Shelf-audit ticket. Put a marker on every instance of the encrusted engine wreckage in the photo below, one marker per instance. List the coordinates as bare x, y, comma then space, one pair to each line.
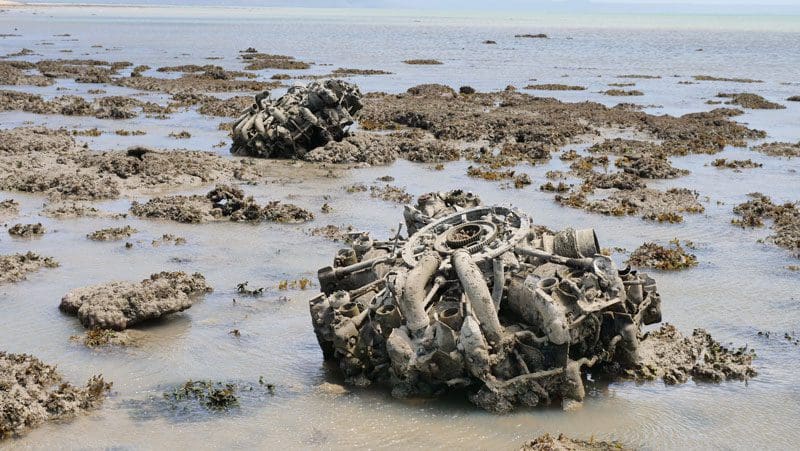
476, 299
304, 118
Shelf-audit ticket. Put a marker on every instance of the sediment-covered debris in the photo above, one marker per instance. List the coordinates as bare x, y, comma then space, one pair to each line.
304, 118
730, 79
9, 208
555, 87
785, 220
547, 442
27, 230
482, 300
648, 166
735, 164
41, 160
224, 202
622, 92
112, 233
437, 205
17, 73
33, 392
649, 203
667, 354
750, 100
16, 267
536, 126
121, 304
116, 107
652, 255
380, 149
779, 149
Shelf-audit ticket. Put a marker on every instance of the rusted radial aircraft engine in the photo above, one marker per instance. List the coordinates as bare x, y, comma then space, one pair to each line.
478, 300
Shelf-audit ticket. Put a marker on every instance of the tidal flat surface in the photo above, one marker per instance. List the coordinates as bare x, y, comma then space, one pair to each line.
740, 288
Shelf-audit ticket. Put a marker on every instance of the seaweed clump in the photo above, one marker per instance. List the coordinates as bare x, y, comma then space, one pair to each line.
215, 396
652, 255
33, 392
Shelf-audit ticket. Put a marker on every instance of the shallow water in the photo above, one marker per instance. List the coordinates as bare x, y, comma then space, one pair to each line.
741, 286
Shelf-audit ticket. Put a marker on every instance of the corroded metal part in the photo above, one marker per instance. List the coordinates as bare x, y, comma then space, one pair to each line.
477, 299
304, 118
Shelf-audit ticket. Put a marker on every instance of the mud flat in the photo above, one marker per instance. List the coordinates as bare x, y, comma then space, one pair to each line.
33, 392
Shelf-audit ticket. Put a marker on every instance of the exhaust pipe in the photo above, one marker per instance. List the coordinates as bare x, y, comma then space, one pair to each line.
480, 298
412, 303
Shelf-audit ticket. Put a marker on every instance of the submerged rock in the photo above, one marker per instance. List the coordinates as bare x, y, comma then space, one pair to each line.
119, 305
32, 392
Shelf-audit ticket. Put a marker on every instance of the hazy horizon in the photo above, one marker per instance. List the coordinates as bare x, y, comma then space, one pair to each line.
721, 7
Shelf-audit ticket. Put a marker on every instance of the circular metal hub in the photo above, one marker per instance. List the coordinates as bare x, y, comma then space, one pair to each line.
485, 232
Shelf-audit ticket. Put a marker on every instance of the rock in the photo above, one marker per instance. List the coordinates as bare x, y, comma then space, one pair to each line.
32, 392
119, 305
